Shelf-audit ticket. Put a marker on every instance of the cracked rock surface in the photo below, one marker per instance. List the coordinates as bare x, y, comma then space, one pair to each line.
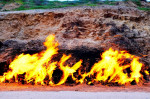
83, 28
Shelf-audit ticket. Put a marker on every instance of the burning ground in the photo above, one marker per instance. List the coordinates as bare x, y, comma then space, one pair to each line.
116, 67
102, 45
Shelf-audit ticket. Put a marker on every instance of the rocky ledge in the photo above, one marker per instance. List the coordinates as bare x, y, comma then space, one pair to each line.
77, 28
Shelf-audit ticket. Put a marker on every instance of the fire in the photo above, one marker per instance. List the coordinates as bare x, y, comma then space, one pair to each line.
111, 67
34, 66
114, 67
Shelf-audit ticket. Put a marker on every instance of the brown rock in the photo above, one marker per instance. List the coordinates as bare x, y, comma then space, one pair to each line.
82, 28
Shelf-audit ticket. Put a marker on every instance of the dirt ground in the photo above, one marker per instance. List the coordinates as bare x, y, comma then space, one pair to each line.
81, 88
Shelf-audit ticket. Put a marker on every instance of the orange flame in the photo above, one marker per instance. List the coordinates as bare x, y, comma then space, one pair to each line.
39, 66
111, 67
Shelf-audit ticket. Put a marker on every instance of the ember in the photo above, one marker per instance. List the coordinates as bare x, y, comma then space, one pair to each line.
114, 67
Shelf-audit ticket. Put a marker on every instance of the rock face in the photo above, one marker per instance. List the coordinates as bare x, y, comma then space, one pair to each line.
85, 28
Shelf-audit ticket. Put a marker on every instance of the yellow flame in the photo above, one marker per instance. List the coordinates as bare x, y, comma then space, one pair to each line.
39, 66
146, 72
110, 68
34, 66
67, 71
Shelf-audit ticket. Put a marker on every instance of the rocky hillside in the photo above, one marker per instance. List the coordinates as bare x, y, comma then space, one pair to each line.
83, 28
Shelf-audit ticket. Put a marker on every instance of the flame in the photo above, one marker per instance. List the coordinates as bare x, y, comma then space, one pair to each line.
111, 68
34, 66
114, 67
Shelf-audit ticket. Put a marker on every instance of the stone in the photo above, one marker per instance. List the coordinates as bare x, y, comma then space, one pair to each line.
85, 28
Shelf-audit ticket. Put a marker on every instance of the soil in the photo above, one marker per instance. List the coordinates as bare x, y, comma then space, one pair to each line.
81, 87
